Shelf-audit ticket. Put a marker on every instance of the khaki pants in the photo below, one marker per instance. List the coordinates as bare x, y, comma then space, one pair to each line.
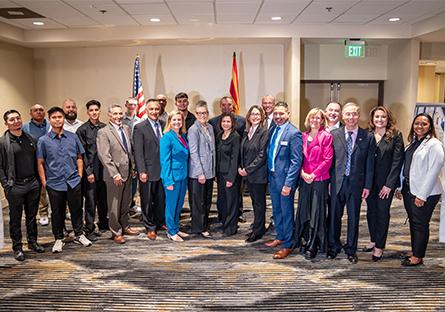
43, 203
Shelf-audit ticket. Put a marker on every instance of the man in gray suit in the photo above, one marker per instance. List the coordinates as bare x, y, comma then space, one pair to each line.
201, 169
146, 137
115, 152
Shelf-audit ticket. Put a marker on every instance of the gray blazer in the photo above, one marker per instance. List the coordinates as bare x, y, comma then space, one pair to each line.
202, 151
112, 154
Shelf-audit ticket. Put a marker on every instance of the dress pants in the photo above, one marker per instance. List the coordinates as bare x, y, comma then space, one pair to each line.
201, 202
283, 212
378, 216
119, 200
228, 205
43, 203
419, 220
134, 188
257, 193
352, 200
95, 195
23, 196
58, 201
152, 204
174, 200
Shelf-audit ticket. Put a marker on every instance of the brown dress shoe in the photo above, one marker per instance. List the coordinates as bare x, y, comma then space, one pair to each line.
273, 243
119, 239
151, 235
131, 232
282, 253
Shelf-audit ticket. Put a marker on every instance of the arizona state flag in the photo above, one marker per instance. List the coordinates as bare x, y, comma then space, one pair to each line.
234, 90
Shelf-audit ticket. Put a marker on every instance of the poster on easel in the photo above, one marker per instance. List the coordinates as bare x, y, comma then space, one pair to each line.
437, 112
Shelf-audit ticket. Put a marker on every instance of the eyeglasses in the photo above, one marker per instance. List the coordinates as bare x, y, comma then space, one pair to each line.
255, 114
202, 113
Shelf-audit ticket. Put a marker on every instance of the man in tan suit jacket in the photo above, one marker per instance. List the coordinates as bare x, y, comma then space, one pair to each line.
115, 152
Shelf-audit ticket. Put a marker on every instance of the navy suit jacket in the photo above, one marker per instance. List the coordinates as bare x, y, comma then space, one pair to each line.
362, 161
174, 159
288, 157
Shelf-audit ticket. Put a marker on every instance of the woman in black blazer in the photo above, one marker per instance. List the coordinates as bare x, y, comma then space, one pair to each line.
389, 157
253, 165
227, 154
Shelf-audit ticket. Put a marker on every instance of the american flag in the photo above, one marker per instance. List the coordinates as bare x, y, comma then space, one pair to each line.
138, 91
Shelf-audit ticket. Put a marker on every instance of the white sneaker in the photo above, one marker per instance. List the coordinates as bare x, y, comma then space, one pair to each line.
68, 216
44, 220
82, 240
58, 246
183, 234
175, 238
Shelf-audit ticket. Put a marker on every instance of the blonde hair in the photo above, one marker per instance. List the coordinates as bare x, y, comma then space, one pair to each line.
170, 117
352, 104
314, 112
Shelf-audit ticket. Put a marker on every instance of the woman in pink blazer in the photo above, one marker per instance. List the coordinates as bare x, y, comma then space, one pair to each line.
310, 222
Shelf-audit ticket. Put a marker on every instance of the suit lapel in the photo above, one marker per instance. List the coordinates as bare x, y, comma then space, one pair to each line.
341, 136
151, 131
360, 137
117, 135
283, 136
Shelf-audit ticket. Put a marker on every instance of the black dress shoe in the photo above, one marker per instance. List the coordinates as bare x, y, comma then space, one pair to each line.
353, 258
249, 234
36, 247
310, 254
253, 238
375, 258
19, 255
331, 255
407, 262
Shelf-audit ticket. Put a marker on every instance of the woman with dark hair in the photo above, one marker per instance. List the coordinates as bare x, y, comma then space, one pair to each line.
388, 163
310, 221
227, 153
253, 166
421, 186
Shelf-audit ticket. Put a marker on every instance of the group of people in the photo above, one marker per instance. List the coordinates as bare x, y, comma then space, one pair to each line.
333, 164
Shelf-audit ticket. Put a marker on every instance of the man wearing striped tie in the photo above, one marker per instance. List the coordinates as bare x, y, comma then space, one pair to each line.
351, 180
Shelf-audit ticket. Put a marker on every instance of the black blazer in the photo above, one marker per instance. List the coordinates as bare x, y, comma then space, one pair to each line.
362, 162
254, 155
389, 157
146, 150
227, 156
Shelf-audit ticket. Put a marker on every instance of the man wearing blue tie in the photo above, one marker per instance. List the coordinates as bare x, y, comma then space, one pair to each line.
284, 159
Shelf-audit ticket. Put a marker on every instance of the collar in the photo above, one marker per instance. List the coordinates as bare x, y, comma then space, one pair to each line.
40, 125
355, 131
53, 135
99, 123
152, 122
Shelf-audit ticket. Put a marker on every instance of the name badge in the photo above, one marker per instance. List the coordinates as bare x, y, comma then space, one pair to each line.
284, 143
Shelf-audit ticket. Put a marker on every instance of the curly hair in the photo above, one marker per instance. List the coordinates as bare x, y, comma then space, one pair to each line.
391, 129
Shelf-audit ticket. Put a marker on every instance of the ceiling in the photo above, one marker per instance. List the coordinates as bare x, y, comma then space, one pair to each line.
72, 14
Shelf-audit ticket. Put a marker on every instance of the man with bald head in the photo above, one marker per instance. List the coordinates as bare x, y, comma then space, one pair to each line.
268, 104
71, 124
162, 99
38, 126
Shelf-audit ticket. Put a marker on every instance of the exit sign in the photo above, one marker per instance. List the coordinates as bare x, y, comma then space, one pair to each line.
354, 48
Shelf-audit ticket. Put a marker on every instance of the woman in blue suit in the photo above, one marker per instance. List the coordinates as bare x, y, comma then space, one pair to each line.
174, 152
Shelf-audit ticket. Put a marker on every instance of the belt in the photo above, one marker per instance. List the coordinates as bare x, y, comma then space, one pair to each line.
25, 180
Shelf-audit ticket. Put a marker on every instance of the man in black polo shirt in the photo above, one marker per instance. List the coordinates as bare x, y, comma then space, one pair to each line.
18, 176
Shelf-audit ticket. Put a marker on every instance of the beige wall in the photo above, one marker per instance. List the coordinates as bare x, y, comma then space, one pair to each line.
16, 79
426, 91
202, 71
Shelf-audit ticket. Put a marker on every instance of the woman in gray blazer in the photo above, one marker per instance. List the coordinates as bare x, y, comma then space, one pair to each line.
201, 170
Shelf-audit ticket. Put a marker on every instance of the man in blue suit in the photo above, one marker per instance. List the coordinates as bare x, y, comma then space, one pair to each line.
284, 159
351, 180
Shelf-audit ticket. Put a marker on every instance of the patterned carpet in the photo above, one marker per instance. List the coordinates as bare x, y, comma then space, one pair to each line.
221, 274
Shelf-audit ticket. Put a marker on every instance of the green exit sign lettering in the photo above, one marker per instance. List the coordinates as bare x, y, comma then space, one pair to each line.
354, 49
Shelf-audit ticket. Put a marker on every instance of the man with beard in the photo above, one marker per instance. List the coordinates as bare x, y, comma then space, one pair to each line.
333, 112
93, 186
37, 127
71, 122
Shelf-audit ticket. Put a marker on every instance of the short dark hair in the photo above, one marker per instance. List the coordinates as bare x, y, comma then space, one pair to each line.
181, 95
232, 118
282, 104
55, 109
9, 112
92, 102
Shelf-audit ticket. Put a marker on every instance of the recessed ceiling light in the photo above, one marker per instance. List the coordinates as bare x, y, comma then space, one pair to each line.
38, 23
276, 18
155, 20
394, 19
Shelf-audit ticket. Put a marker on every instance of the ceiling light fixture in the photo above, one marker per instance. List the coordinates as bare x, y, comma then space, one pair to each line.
276, 18
155, 20
38, 23
394, 19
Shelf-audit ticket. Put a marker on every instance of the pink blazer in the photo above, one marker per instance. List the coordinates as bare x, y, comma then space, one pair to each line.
318, 155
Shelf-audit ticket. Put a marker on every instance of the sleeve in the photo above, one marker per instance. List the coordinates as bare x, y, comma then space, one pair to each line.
393, 178
87, 157
41, 152
434, 166
80, 149
370, 163
166, 161
138, 146
195, 160
234, 157
3, 167
296, 159
328, 154
260, 159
